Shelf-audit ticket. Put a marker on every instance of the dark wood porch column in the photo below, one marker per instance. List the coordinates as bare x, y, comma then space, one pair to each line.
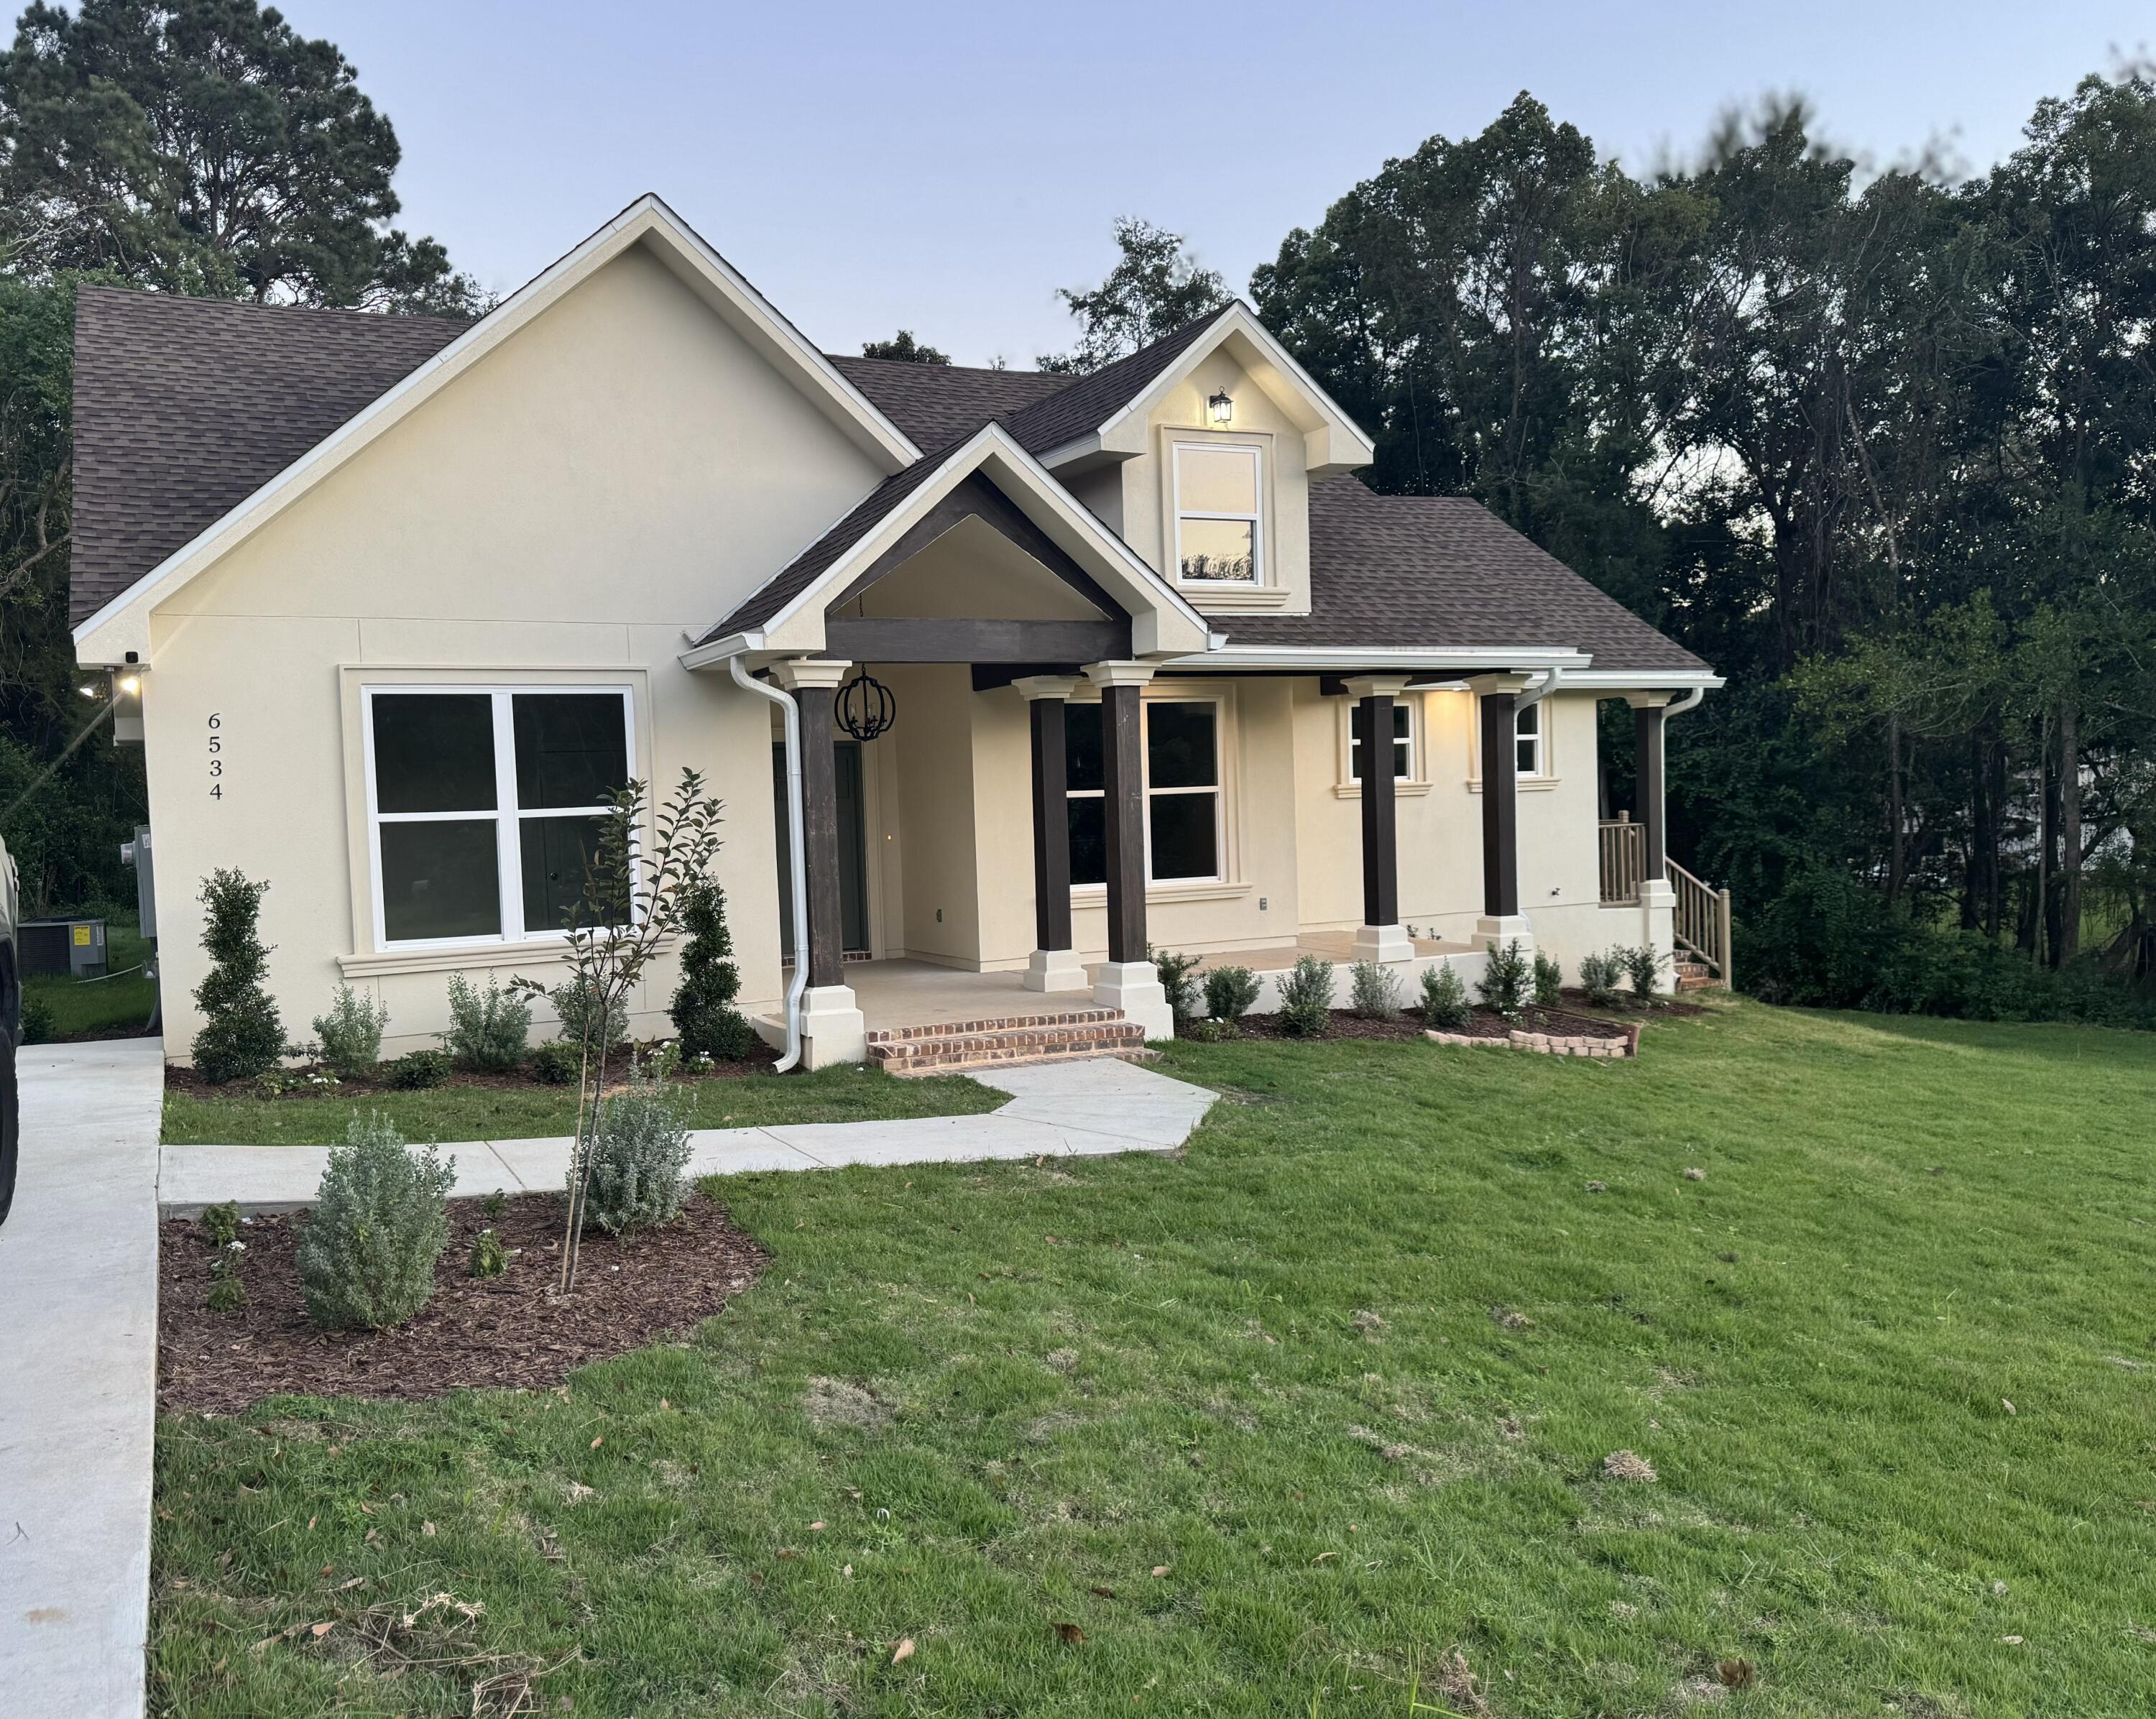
1046, 697
813, 685
1374, 696
1647, 720
1501, 804
1123, 773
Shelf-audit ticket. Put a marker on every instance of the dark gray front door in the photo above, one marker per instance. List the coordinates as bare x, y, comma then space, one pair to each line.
853, 847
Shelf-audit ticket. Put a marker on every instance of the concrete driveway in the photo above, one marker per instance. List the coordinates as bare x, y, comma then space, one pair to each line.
78, 1380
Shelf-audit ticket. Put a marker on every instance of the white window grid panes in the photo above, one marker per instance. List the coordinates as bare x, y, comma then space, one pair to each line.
1253, 516
1406, 739
1527, 730
1212, 789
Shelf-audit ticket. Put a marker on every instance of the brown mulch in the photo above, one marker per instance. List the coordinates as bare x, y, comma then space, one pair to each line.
1624, 1005
509, 1330
181, 1079
1483, 1023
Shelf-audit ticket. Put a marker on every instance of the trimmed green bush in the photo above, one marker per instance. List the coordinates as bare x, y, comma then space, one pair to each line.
1549, 981
1229, 992
489, 1258
1306, 1007
1600, 976
638, 1151
1643, 967
703, 1009
416, 1070
351, 1033
1374, 991
487, 1028
1444, 999
242, 1033
1503, 986
1178, 980
380, 1222
558, 1061
577, 1003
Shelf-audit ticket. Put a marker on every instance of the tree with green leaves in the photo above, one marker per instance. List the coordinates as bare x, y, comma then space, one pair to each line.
903, 349
1155, 288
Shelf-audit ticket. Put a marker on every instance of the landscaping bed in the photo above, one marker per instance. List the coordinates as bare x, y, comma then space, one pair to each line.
1481, 1023
302, 1082
510, 1330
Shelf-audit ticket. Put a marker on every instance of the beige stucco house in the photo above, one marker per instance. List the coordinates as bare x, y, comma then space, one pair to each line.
404, 597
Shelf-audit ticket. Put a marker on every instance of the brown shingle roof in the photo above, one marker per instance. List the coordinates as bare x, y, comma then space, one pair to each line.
1439, 571
938, 403
1090, 401
183, 408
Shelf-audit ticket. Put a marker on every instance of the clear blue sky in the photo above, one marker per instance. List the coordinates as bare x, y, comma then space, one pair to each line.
944, 166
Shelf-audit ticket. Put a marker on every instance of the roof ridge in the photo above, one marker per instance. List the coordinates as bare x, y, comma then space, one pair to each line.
192, 301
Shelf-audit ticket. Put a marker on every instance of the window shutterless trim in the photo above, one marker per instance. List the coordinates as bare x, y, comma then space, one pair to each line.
507, 816
1255, 519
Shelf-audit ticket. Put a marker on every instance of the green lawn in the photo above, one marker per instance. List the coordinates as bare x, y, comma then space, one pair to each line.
93, 1008
845, 1093
1279, 1423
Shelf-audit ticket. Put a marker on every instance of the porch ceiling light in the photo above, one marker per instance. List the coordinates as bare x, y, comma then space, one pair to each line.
864, 707
1221, 407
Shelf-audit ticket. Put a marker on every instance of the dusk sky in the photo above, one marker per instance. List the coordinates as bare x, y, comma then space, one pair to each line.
945, 166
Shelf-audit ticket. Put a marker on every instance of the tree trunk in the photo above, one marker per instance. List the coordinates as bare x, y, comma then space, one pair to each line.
2047, 852
1975, 886
1897, 849
2069, 941
1994, 907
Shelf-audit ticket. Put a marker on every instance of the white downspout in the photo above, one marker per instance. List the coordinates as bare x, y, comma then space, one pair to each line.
1551, 676
1684, 704
796, 853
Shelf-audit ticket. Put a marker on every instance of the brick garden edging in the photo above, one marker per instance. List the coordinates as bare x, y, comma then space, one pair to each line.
1551, 1044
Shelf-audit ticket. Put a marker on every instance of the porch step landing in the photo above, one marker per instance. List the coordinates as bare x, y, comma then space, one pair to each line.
1693, 975
951, 1047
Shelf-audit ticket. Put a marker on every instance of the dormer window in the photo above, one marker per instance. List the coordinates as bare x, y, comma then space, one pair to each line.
1218, 535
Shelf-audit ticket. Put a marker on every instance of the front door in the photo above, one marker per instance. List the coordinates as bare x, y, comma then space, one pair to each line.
853, 848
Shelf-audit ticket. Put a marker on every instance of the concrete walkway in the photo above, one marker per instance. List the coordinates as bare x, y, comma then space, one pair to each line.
78, 1380
1057, 1110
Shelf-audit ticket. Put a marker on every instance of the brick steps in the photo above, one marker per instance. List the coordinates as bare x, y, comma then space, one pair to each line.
951, 1047
1693, 975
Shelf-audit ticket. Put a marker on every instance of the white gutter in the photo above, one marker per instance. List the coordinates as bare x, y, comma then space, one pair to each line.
796, 853
1684, 704
1314, 659
1549, 685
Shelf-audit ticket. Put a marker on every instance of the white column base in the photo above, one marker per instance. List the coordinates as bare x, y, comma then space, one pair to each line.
1658, 926
832, 1028
1055, 970
1134, 987
1495, 933
1384, 942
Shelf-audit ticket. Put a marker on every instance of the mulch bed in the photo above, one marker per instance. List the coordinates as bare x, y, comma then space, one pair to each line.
1483, 1023
180, 1079
1626, 1007
507, 1331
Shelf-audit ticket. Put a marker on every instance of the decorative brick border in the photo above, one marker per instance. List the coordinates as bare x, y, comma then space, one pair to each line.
1550, 1043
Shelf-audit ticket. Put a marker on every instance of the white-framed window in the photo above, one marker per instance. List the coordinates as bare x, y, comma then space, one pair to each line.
1404, 739
1185, 825
484, 805
1219, 524
1528, 742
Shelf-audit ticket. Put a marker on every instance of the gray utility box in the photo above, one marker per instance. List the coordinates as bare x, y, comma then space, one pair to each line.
61, 946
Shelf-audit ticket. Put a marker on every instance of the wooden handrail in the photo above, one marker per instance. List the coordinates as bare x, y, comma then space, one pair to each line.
1623, 852
1703, 921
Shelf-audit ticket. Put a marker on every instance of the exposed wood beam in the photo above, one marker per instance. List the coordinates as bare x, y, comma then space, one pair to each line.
932, 640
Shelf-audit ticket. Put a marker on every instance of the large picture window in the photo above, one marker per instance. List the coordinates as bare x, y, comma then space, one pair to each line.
486, 806
1183, 812
1218, 534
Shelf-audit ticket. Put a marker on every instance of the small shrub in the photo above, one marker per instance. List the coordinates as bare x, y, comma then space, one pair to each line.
1600, 976
242, 1033
578, 1003
639, 1151
40, 1024
1212, 1032
1306, 994
227, 1293
1643, 967
380, 1220
1179, 979
489, 1258
558, 1061
416, 1070
703, 1009
1503, 986
487, 1028
494, 1204
220, 1223
1444, 999
1229, 992
351, 1032
1549, 981
1375, 992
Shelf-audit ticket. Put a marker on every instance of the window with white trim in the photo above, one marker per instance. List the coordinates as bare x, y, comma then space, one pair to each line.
484, 806
1403, 741
1219, 534
1527, 741
1184, 833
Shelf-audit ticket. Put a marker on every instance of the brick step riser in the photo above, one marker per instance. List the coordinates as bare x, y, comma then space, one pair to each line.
998, 1023
1002, 1045
915, 1067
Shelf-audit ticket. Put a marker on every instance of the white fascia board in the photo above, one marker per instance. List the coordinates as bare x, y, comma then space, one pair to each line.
1641, 679
1318, 660
122, 624
1335, 427
734, 644
1071, 526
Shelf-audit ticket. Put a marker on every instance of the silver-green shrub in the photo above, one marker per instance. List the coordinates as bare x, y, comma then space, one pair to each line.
380, 1222
577, 1003
1644, 967
1373, 992
1444, 999
1599, 976
351, 1032
1305, 997
487, 1028
638, 1153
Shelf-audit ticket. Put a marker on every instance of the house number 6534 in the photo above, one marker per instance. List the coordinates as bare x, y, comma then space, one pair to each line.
215, 756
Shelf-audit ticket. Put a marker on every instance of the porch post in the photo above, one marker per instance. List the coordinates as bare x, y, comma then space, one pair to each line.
1501, 921
1054, 965
1381, 936
1128, 981
1658, 895
832, 1029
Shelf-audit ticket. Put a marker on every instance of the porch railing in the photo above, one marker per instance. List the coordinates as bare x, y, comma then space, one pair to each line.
1702, 912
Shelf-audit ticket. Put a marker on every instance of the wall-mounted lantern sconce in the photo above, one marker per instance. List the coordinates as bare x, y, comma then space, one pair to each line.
1221, 408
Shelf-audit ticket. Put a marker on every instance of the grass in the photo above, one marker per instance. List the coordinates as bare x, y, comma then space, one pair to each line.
1278, 1425
92, 1008
844, 1094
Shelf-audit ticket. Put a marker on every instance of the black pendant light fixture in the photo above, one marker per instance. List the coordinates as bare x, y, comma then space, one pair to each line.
864, 707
